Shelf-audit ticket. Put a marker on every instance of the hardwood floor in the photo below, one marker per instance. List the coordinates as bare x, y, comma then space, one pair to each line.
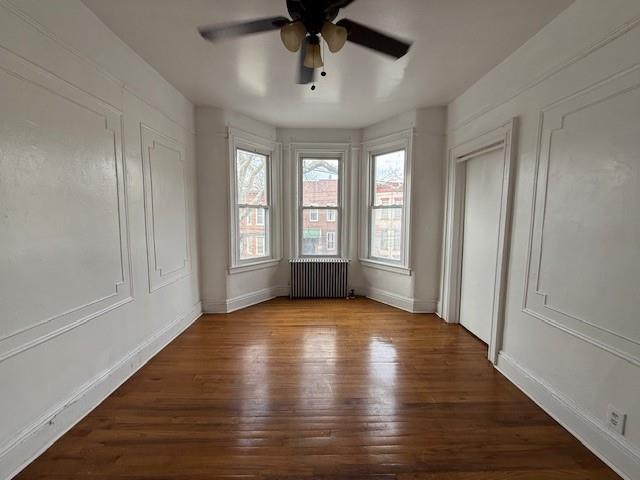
319, 389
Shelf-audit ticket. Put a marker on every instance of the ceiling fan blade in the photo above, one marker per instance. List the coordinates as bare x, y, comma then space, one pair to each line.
230, 30
370, 38
305, 74
341, 3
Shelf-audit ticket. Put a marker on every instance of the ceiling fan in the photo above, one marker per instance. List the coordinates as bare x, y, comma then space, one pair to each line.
310, 20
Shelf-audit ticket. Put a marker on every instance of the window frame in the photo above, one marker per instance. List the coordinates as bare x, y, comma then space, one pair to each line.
328, 151
239, 140
386, 207
372, 149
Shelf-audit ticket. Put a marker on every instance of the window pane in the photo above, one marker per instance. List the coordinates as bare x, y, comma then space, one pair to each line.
252, 235
319, 238
320, 182
386, 233
389, 178
251, 171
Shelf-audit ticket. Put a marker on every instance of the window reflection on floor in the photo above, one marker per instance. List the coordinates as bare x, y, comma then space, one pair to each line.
255, 399
382, 385
318, 362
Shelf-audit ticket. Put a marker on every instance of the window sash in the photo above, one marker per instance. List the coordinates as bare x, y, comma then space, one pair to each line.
372, 200
373, 206
337, 208
267, 237
265, 206
301, 182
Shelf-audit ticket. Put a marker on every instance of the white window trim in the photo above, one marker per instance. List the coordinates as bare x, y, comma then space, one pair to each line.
338, 151
398, 141
331, 220
239, 139
316, 216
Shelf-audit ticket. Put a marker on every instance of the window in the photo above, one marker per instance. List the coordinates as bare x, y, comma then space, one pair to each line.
319, 193
252, 201
331, 241
386, 206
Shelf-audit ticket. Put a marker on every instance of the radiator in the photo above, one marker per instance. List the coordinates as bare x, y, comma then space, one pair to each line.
319, 277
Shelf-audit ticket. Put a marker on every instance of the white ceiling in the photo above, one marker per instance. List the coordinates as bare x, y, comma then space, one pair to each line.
455, 43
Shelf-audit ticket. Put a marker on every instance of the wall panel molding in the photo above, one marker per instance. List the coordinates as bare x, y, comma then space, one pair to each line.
86, 110
15, 10
618, 32
538, 301
166, 204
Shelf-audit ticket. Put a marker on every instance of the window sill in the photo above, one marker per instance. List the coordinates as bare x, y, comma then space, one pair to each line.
249, 267
387, 267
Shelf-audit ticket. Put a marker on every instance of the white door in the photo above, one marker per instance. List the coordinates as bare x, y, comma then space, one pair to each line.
480, 242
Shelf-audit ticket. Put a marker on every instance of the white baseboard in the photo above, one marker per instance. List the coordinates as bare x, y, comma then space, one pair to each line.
407, 304
610, 447
41, 434
244, 301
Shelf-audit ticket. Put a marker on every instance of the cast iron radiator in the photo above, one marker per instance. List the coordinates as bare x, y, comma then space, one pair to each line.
319, 277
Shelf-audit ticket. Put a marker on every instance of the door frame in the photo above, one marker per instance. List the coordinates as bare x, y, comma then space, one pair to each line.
501, 138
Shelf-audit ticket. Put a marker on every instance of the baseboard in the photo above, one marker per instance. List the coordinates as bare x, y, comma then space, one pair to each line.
40, 435
214, 306
611, 448
244, 301
407, 304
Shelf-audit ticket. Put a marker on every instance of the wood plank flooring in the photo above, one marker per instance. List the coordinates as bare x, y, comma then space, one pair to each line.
326, 389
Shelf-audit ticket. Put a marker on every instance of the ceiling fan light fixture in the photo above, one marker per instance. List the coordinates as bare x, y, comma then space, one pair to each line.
334, 35
292, 35
313, 56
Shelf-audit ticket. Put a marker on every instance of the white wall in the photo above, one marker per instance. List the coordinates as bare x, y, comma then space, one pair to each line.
223, 291
420, 290
572, 336
97, 271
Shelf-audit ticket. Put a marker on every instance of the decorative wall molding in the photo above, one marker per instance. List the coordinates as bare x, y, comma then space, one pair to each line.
612, 36
12, 8
536, 302
28, 336
42, 433
159, 272
612, 448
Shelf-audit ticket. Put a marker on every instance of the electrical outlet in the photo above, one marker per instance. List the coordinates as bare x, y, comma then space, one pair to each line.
616, 420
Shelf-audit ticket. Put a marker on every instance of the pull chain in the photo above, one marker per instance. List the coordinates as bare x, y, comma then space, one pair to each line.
324, 59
